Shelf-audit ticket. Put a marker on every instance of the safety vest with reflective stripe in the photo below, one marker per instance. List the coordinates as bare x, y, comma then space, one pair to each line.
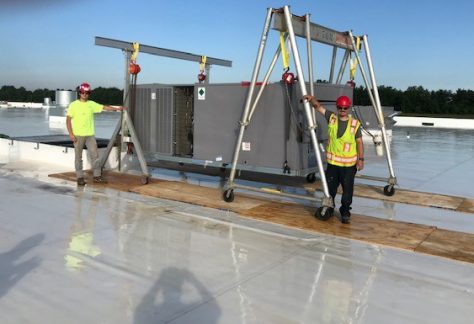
342, 151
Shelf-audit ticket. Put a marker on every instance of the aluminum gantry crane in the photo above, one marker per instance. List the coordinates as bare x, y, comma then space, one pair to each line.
300, 26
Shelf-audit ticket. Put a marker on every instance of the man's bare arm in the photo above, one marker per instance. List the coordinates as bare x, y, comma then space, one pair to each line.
315, 103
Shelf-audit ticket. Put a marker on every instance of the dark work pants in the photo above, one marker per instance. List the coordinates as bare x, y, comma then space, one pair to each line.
344, 176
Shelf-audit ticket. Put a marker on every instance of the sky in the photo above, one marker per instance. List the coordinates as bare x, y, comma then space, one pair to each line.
50, 43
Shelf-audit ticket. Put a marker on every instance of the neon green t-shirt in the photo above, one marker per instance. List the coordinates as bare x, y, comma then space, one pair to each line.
82, 116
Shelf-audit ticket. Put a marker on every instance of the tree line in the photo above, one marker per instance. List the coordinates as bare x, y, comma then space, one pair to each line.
414, 100
109, 96
417, 100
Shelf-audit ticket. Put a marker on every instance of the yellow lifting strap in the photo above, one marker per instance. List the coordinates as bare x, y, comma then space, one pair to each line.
203, 62
285, 56
354, 62
136, 49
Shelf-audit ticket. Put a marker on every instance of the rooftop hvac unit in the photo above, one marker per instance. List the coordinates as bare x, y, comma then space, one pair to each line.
198, 124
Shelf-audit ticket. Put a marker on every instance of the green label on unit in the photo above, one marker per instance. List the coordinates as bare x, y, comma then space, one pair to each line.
201, 93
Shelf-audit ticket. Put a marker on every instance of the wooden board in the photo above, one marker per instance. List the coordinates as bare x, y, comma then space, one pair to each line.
449, 244
119, 181
369, 229
172, 190
409, 197
197, 195
404, 235
467, 206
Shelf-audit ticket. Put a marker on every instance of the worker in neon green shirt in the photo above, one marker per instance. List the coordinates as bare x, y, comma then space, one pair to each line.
344, 152
80, 125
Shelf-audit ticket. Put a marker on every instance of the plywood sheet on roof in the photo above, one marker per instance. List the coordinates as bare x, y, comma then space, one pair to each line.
449, 244
408, 197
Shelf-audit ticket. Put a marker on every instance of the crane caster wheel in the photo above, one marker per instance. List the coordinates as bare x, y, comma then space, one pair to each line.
311, 177
324, 213
145, 180
388, 190
228, 195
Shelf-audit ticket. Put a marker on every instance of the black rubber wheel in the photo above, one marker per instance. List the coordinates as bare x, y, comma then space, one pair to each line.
324, 213
145, 180
311, 177
389, 190
228, 195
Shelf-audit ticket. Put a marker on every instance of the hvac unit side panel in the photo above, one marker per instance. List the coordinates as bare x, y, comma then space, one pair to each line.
216, 119
216, 126
183, 121
269, 132
153, 118
278, 131
141, 117
164, 121
297, 128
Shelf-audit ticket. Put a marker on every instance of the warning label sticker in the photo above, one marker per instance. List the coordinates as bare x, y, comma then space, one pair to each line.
201, 93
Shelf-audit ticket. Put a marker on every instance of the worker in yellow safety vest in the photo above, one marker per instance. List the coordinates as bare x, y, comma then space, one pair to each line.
344, 152
80, 126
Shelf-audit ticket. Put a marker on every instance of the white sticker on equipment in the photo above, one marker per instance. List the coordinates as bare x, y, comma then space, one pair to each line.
153, 96
201, 93
218, 158
245, 146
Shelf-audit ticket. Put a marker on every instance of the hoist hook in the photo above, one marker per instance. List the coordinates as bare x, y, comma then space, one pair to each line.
133, 67
288, 77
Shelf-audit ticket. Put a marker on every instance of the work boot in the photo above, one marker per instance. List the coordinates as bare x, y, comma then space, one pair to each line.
100, 179
345, 216
81, 182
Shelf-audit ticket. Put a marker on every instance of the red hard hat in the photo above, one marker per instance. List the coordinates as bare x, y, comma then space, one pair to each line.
85, 88
343, 102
